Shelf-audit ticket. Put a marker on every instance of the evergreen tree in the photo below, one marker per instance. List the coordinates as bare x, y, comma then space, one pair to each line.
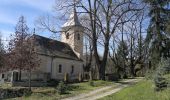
156, 35
122, 53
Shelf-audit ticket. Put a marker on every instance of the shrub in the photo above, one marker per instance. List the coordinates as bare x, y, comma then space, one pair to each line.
160, 82
91, 83
61, 88
160, 79
149, 74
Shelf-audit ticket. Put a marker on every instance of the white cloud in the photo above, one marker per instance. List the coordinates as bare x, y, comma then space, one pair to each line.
6, 34
43, 5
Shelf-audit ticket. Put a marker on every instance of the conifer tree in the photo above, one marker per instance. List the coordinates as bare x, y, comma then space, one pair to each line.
156, 35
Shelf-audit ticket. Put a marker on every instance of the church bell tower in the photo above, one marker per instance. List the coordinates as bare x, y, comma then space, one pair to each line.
72, 34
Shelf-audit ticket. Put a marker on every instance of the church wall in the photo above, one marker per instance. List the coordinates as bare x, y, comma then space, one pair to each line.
76, 45
45, 67
70, 41
45, 63
66, 68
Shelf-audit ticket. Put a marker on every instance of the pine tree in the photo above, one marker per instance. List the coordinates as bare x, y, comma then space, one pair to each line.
157, 28
122, 53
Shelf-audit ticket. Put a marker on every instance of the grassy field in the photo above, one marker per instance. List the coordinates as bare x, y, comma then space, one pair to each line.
141, 91
50, 93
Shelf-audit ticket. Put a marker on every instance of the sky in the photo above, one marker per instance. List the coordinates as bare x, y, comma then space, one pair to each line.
11, 10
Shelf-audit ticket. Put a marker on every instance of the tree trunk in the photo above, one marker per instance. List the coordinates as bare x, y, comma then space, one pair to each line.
30, 79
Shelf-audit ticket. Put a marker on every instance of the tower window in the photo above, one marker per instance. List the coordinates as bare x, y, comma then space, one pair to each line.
67, 36
72, 69
60, 69
78, 36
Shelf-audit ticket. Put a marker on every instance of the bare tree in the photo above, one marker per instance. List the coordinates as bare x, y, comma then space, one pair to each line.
104, 18
22, 54
2, 54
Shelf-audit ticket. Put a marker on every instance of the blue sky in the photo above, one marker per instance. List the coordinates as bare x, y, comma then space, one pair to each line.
11, 10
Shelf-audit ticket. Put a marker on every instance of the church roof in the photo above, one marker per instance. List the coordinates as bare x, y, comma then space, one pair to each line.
73, 20
50, 47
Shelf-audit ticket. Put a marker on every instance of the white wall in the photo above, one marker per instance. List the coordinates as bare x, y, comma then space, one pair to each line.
66, 68
46, 67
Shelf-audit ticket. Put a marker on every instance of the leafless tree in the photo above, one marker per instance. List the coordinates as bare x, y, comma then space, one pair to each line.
22, 55
2, 55
104, 18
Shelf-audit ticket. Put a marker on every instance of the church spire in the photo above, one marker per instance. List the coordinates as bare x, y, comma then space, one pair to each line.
73, 19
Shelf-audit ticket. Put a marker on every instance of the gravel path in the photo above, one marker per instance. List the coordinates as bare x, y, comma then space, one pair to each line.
105, 91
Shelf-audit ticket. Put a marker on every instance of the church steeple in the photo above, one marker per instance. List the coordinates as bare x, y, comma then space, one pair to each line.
73, 19
72, 33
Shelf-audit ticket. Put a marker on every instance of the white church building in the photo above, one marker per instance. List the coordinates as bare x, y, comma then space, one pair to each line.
58, 58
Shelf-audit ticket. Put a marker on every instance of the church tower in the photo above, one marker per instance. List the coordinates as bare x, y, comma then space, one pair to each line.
72, 34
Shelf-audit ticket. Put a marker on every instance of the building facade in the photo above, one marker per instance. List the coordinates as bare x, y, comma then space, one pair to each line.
57, 58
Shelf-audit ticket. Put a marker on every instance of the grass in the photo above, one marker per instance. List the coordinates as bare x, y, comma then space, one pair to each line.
50, 93
5, 85
143, 90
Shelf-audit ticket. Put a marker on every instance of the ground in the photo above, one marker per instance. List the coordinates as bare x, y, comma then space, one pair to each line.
102, 92
129, 89
144, 90
50, 93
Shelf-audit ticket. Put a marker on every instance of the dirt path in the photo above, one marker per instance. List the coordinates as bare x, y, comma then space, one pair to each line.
105, 91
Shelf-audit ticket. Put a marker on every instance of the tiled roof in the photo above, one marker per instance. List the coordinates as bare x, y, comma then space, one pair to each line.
50, 47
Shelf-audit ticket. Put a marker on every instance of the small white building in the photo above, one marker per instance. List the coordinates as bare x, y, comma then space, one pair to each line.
58, 58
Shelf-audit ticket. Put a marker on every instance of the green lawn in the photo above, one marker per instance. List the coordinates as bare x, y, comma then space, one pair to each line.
50, 93
141, 91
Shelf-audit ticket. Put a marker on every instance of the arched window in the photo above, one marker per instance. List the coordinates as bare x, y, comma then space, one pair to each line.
60, 68
67, 36
78, 36
72, 69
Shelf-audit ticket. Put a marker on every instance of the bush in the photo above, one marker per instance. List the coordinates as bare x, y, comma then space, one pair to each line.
149, 74
91, 83
160, 79
61, 88
160, 83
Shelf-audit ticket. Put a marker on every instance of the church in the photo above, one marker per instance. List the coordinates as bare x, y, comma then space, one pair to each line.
58, 58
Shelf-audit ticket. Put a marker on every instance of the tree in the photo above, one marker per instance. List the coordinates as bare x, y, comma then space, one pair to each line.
22, 53
159, 13
104, 17
17, 47
2, 54
119, 58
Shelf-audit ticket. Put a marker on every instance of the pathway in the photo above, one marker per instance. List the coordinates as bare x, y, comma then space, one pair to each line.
105, 91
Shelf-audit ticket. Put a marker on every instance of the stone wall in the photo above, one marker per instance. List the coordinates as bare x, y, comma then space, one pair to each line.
12, 93
33, 84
